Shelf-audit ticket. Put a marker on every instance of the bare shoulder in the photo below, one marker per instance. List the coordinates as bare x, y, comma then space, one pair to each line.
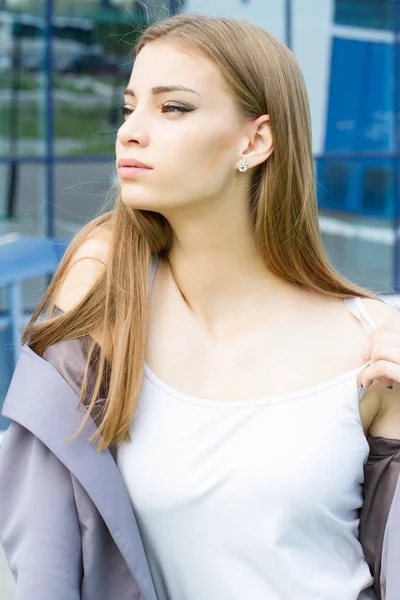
380, 311
87, 264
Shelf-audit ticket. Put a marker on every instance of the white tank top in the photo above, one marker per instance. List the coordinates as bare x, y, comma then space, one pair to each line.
252, 500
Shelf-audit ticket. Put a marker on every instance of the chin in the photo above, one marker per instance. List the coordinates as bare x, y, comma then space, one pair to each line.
133, 198
133, 201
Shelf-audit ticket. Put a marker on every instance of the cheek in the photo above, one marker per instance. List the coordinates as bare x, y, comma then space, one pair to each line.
189, 162
221, 149
118, 147
200, 167
205, 149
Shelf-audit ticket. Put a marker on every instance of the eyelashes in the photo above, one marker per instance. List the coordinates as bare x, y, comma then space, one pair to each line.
170, 108
124, 112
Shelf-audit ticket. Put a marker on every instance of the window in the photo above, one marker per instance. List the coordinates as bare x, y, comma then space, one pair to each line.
371, 14
333, 180
377, 190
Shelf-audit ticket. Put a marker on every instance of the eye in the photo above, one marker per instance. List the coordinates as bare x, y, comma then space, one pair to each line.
171, 108
125, 112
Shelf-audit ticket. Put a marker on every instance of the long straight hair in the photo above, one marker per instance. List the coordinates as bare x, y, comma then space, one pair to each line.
264, 78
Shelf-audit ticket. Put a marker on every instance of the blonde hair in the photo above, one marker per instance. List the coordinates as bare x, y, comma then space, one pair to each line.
264, 78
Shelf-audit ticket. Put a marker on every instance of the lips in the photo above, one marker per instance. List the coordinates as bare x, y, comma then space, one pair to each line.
131, 162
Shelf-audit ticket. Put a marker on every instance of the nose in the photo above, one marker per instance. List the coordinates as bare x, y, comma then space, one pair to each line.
133, 131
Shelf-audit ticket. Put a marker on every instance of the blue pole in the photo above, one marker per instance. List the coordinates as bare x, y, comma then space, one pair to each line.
396, 146
288, 24
173, 7
49, 120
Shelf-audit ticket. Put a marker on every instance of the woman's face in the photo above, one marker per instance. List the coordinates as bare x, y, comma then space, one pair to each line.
191, 139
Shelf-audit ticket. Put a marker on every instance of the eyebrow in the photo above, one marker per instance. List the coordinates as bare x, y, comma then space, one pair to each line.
162, 89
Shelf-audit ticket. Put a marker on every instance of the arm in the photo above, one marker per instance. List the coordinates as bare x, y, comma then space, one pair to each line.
380, 514
381, 473
39, 528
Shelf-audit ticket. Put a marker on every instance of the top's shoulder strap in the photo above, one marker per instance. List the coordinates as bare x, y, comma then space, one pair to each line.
357, 307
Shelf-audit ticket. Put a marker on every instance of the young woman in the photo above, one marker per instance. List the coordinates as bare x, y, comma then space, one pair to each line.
217, 355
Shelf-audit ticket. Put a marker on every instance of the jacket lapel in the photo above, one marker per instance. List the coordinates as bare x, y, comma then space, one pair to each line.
41, 400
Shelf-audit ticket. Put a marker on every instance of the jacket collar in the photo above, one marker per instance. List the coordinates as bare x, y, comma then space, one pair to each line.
41, 401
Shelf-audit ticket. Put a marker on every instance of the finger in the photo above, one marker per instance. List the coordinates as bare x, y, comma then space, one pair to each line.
386, 351
380, 337
385, 371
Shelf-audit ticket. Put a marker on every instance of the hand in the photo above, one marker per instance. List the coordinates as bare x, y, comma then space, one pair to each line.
383, 350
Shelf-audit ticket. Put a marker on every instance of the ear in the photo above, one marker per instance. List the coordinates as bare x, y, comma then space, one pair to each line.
259, 145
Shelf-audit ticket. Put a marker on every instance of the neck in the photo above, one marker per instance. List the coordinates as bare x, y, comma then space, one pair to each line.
220, 273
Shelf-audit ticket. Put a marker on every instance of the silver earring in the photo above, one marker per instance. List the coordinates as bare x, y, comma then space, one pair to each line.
243, 166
